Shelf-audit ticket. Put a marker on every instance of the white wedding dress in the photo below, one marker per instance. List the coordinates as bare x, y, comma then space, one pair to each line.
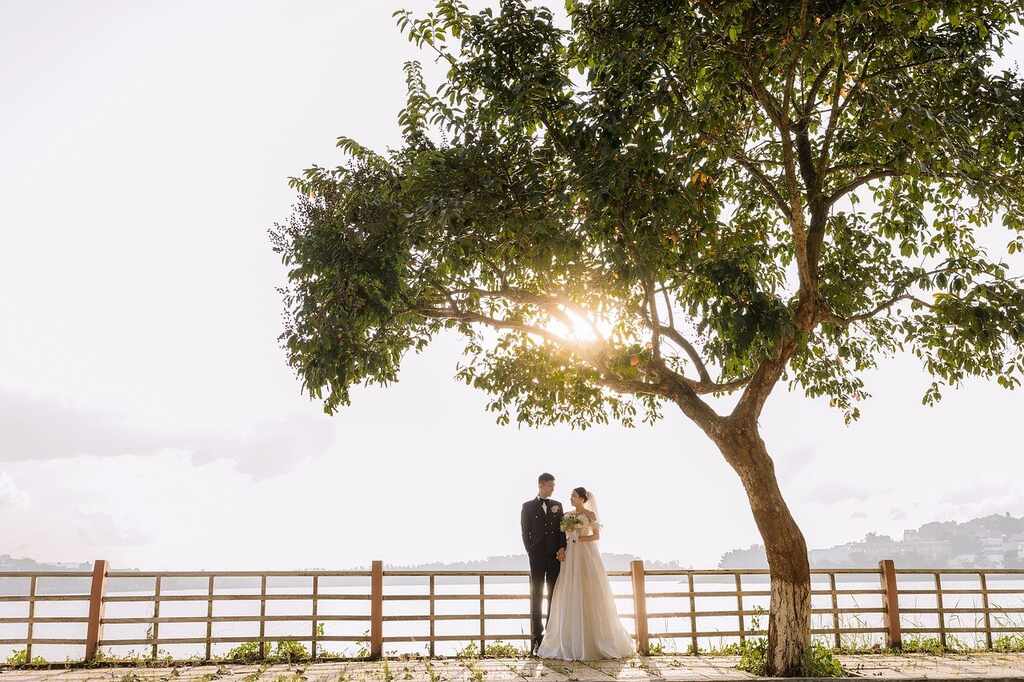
584, 624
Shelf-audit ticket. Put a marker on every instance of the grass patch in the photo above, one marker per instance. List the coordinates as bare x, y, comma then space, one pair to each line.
933, 646
286, 651
1008, 644
501, 649
469, 652
134, 659
656, 647
469, 657
20, 658
820, 660
433, 674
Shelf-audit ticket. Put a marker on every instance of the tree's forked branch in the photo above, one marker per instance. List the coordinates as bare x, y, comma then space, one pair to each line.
765, 182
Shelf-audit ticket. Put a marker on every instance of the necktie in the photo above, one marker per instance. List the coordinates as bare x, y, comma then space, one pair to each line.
544, 503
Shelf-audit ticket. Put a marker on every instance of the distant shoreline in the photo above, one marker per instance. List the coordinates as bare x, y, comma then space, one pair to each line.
11, 586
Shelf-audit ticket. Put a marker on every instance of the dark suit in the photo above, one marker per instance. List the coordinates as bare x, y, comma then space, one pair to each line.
542, 537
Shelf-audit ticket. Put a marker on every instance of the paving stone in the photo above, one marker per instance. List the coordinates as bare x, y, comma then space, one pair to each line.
495, 670
631, 669
447, 670
668, 669
407, 671
675, 668
669, 672
573, 670
535, 669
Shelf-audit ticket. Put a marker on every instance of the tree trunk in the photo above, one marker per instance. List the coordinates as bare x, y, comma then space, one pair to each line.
789, 619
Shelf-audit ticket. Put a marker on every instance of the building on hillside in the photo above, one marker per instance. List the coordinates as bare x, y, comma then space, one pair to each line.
993, 551
839, 555
964, 560
1015, 545
927, 549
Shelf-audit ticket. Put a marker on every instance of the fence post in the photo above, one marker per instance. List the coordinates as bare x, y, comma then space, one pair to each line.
984, 605
640, 606
263, 617
32, 615
316, 593
483, 636
376, 609
893, 637
432, 633
209, 619
92, 629
155, 649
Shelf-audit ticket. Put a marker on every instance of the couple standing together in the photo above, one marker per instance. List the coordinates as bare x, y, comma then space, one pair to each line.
582, 621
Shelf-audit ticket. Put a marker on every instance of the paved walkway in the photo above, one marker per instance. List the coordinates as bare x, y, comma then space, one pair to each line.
987, 666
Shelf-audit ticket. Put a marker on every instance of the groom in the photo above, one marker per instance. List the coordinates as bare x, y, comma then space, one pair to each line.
545, 545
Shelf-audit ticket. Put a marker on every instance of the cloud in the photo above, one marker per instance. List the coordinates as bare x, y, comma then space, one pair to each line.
99, 529
833, 492
968, 494
897, 514
10, 494
272, 446
37, 428
793, 462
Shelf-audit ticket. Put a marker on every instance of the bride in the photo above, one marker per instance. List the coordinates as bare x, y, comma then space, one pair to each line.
583, 623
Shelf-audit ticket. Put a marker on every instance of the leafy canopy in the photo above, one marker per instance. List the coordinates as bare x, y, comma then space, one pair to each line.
666, 200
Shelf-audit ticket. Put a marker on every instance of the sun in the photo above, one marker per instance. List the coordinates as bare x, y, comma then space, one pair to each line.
580, 326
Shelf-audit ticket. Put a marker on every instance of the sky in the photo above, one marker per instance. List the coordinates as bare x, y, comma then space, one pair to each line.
147, 413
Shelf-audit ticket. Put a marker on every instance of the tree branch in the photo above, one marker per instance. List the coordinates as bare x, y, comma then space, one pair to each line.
550, 303
900, 67
765, 182
812, 95
721, 387
635, 387
683, 391
454, 313
829, 316
835, 111
705, 385
768, 101
840, 105
843, 190
899, 293
685, 345
655, 323
668, 306
750, 404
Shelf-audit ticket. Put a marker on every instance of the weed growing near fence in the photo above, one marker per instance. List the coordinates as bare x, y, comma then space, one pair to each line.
1008, 643
286, 651
501, 649
821, 662
20, 658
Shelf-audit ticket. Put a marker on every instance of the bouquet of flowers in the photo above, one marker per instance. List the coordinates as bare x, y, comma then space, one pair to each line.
571, 522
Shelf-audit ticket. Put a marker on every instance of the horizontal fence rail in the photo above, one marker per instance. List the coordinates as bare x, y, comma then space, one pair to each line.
378, 603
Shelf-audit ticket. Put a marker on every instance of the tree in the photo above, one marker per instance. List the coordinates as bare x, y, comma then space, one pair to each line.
677, 205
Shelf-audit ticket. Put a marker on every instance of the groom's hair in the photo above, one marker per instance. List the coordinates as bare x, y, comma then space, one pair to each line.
545, 477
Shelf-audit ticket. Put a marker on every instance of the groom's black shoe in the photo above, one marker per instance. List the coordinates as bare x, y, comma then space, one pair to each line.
533, 648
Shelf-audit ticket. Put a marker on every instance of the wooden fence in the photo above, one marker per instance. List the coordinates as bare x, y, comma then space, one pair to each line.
645, 606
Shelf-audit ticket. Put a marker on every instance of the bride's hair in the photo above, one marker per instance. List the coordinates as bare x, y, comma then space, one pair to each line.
582, 492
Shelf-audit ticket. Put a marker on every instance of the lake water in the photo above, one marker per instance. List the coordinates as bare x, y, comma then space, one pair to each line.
470, 628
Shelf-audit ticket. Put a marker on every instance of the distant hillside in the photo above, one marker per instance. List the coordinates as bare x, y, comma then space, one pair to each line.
988, 542
9, 563
519, 562
512, 562
516, 562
